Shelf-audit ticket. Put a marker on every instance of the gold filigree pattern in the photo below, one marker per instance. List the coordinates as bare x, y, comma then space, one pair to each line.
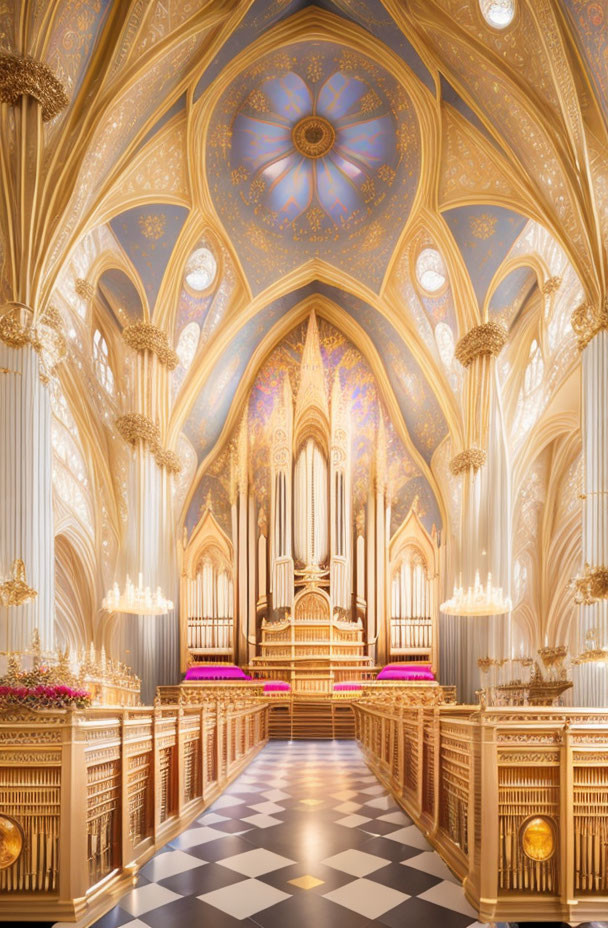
47, 338
471, 458
22, 76
153, 226
482, 226
591, 586
84, 289
16, 592
144, 336
588, 321
487, 338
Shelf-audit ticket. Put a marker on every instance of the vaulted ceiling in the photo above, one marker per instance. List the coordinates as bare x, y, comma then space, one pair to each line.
311, 151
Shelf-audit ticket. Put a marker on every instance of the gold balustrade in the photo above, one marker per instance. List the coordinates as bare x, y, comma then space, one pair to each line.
514, 800
96, 792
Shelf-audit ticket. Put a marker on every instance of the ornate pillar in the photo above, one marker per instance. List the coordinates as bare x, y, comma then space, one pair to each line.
370, 568
30, 344
591, 588
148, 547
243, 538
481, 549
360, 565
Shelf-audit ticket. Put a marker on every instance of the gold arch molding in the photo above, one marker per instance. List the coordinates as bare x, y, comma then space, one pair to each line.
340, 318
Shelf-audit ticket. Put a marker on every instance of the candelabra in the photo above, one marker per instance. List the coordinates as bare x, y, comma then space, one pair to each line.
137, 600
477, 599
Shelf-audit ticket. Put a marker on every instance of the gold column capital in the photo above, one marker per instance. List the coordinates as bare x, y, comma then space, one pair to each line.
24, 76
487, 338
470, 458
587, 320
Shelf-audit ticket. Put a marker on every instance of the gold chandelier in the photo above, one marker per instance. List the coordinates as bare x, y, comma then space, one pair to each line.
478, 599
136, 600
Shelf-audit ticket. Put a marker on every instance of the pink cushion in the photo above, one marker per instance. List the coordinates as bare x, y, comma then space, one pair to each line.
216, 672
406, 672
277, 686
347, 686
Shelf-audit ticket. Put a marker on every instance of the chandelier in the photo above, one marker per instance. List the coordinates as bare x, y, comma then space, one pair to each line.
138, 600
477, 599
592, 653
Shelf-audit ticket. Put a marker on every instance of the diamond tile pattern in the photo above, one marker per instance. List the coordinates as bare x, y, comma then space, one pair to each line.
306, 836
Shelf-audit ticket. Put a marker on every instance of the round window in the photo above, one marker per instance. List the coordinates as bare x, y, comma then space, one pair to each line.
498, 13
430, 270
201, 268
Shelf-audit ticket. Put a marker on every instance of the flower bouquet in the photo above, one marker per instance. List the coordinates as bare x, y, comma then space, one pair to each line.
39, 688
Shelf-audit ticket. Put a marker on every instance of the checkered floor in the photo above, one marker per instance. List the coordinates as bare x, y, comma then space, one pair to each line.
305, 837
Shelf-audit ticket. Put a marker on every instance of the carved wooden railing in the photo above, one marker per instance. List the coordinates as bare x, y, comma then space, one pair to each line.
489, 788
97, 791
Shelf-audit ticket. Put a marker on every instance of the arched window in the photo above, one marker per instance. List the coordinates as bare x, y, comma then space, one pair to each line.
431, 273
101, 362
187, 344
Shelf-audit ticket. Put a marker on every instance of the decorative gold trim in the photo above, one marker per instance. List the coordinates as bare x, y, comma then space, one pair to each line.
551, 285
487, 338
144, 336
591, 586
17, 331
588, 321
469, 458
537, 838
20, 76
15, 592
84, 289
134, 427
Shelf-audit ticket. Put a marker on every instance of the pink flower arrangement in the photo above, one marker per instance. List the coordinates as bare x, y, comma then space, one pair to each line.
36, 689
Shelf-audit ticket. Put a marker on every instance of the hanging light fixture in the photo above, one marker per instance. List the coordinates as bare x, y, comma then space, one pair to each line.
477, 599
137, 600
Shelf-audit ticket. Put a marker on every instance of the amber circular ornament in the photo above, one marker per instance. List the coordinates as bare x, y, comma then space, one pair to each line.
537, 837
11, 841
313, 136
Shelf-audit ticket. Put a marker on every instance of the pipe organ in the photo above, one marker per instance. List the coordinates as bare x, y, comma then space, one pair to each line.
302, 590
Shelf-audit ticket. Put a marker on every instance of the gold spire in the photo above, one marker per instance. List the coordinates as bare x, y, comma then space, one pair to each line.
312, 413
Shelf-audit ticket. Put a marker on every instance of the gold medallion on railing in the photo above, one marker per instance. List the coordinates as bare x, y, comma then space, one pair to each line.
537, 837
11, 841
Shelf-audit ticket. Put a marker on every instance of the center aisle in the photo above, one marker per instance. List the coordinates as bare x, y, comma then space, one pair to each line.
305, 838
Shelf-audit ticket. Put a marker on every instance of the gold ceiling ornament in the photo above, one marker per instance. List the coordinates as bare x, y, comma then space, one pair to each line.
487, 338
591, 586
84, 289
588, 321
16, 592
537, 838
12, 841
470, 458
313, 136
24, 76
144, 336
134, 427
593, 653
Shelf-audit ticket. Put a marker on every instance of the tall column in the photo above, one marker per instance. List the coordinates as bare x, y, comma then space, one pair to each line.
282, 567
148, 547
243, 539
370, 568
26, 497
251, 606
591, 327
340, 501
30, 343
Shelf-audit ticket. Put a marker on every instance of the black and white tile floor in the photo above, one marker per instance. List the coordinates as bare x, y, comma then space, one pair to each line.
305, 838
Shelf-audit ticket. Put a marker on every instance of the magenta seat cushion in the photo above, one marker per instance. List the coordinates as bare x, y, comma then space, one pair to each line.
347, 686
216, 672
406, 672
277, 686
